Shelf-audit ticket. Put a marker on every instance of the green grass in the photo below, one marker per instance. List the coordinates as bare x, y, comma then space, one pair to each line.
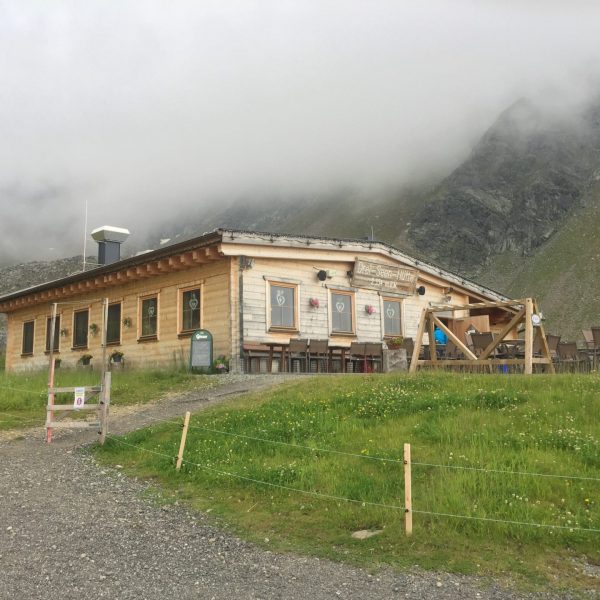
23, 396
539, 424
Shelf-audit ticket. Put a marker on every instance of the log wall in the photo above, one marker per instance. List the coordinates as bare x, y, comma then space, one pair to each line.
170, 348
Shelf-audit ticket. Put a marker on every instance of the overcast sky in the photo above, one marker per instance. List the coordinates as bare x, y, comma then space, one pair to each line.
145, 107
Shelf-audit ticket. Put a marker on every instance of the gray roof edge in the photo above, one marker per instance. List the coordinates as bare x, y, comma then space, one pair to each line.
423, 265
189, 244
222, 233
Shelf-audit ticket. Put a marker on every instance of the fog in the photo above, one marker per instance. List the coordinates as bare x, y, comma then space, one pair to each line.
149, 110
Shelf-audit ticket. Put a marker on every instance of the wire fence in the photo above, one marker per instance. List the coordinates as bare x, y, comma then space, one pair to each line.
570, 528
258, 481
317, 449
22, 390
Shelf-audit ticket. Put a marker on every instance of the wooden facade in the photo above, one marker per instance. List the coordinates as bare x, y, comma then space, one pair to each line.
238, 276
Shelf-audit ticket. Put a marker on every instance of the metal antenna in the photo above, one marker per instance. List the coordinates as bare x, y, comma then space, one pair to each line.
85, 233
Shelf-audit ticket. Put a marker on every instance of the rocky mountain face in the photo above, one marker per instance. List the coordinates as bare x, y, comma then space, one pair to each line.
527, 174
18, 277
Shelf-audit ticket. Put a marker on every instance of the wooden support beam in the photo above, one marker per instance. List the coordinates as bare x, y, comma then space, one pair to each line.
478, 363
163, 265
544, 341
419, 341
72, 424
528, 337
141, 272
432, 344
212, 253
505, 304
187, 259
64, 390
67, 407
504, 331
452, 336
175, 263
152, 269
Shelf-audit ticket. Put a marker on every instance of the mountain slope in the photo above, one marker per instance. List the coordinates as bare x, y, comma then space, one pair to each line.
522, 180
563, 273
24, 275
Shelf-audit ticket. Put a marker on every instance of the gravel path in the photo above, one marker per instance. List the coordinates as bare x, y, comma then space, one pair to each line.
71, 529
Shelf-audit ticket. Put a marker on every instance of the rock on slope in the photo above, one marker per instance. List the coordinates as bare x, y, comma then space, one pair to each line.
524, 178
25, 275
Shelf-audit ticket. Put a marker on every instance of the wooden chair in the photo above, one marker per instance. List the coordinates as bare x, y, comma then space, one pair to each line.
481, 341
254, 356
356, 357
553, 341
592, 348
298, 352
571, 358
452, 351
588, 336
318, 354
374, 356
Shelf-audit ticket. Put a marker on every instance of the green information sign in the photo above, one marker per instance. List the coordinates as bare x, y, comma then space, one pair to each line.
201, 350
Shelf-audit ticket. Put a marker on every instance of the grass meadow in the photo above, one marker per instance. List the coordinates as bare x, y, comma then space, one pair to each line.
246, 461
23, 396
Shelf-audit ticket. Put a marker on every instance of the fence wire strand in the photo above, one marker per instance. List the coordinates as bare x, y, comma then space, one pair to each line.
361, 502
260, 482
379, 458
491, 520
506, 472
22, 390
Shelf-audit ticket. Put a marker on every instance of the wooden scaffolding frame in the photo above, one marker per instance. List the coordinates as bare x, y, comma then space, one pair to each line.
521, 311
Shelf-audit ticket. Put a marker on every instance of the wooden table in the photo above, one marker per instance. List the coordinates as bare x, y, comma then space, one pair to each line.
342, 354
283, 348
514, 348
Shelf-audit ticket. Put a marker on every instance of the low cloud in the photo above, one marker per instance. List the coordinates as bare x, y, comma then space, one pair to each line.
154, 110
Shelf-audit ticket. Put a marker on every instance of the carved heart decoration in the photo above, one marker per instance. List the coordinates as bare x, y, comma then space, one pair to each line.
340, 306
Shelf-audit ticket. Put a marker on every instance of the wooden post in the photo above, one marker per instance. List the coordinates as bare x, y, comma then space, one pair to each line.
104, 405
432, 344
544, 341
186, 423
52, 367
104, 335
407, 491
528, 337
418, 341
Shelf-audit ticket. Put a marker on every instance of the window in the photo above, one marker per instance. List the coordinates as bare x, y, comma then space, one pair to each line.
113, 324
28, 331
391, 317
80, 328
283, 306
49, 333
342, 312
149, 317
190, 310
